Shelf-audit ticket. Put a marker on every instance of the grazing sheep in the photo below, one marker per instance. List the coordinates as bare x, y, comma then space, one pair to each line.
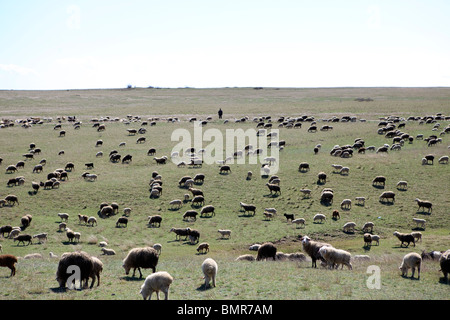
91, 221
344, 170
304, 166
26, 220
379, 180
337, 167
176, 203
424, 204
326, 197
312, 248
321, 177
268, 215
82, 218
106, 211
349, 227
198, 201
402, 185
97, 268
265, 251
203, 247
122, 221
70, 234
299, 221
420, 223
346, 204
207, 210
180, 232
9, 261
80, 259
444, 263
225, 169
367, 226
156, 282
194, 235
429, 157
62, 226
306, 192
289, 216
209, 269
138, 258
405, 238
154, 193
386, 196
63, 216
12, 199
108, 252
319, 217
367, 239
249, 175
153, 220
335, 215
14, 233
335, 257
443, 160
411, 261
225, 233
361, 201
248, 207
190, 214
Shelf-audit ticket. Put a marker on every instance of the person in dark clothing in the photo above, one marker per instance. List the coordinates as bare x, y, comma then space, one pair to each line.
220, 113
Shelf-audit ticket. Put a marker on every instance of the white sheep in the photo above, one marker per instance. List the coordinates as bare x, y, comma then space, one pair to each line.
246, 257
77, 236
349, 227
337, 167
14, 233
299, 221
157, 247
367, 226
335, 257
271, 210
417, 235
344, 170
443, 160
127, 212
63, 216
346, 203
361, 200
306, 192
403, 185
209, 269
361, 257
156, 282
319, 217
91, 221
224, 233
41, 236
108, 252
411, 261
176, 202
420, 223
103, 244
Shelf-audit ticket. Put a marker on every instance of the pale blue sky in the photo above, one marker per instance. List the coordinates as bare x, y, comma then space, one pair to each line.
109, 44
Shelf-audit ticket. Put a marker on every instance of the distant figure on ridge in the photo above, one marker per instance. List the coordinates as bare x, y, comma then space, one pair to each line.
220, 113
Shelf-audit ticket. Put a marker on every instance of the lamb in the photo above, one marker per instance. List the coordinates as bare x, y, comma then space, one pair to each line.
404, 238
206, 210
443, 160
80, 259
41, 237
122, 221
209, 269
417, 236
319, 217
138, 258
9, 261
245, 257
306, 192
82, 218
177, 203
349, 227
420, 223
248, 207
346, 204
367, 226
97, 268
385, 196
225, 233
424, 204
312, 248
203, 247
411, 261
153, 220
267, 250
335, 257
268, 215
63, 216
369, 238
299, 221
77, 236
108, 252
335, 215
156, 282
402, 185
194, 235
91, 221
444, 263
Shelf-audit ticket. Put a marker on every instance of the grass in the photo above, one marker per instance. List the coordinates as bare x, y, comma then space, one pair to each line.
127, 184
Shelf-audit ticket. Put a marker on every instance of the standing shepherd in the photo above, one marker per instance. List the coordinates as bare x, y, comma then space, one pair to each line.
220, 113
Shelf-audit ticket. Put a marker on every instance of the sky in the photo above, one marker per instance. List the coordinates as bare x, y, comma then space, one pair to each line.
59, 44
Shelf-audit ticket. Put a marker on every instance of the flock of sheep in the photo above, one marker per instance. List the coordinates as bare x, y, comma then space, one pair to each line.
148, 257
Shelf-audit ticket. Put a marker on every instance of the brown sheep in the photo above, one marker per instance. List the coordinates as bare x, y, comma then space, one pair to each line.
9, 261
